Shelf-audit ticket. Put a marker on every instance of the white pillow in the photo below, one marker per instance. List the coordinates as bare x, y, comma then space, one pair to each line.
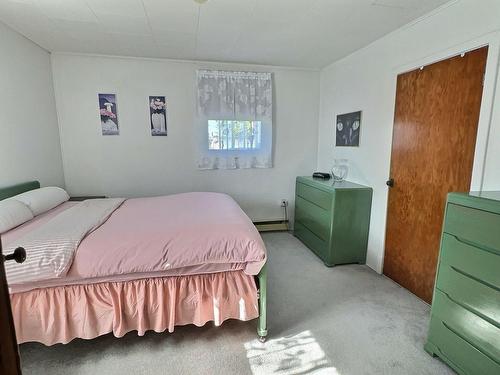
43, 199
12, 214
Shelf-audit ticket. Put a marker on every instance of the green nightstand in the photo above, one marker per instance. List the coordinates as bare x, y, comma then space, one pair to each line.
333, 219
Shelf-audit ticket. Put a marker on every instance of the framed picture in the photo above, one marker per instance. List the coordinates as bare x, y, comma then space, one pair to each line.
158, 115
109, 114
348, 127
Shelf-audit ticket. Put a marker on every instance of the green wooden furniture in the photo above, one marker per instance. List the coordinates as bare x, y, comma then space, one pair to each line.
333, 219
10, 191
465, 316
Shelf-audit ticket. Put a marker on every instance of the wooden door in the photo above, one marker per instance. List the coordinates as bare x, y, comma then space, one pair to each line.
9, 354
434, 138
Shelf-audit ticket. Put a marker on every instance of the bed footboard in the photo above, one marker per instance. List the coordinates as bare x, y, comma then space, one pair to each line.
262, 327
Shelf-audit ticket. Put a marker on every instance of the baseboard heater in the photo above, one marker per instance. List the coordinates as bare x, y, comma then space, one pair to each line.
271, 225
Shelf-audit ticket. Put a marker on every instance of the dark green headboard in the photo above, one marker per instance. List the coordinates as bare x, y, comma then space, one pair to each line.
10, 191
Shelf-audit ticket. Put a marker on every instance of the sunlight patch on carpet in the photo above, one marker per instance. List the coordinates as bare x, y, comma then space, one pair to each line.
290, 355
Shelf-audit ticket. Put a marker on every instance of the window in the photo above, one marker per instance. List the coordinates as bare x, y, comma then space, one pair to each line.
234, 135
234, 120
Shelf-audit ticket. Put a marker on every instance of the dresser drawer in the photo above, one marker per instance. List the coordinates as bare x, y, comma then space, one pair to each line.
473, 225
464, 357
470, 276
315, 196
478, 332
314, 218
313, 242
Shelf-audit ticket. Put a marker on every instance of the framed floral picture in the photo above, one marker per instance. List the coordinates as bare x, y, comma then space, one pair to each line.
109, 114
348, 127
158, 115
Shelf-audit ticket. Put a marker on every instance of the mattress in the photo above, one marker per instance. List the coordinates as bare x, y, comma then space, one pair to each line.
176, 235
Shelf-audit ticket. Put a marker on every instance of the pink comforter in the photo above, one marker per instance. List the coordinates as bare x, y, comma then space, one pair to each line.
176, 235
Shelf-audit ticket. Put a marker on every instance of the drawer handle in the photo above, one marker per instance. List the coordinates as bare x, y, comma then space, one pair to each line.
467, 341
468, 275
472, 310
311, 202
474, 244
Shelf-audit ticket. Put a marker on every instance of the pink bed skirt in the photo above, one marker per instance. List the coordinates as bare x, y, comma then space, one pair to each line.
61, 314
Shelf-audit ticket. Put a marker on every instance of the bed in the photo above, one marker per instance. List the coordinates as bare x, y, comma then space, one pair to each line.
119, 265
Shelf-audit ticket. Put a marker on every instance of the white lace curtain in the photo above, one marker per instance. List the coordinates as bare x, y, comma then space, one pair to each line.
241, 96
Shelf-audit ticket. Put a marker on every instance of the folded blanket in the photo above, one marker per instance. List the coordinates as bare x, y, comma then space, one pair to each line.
50, 248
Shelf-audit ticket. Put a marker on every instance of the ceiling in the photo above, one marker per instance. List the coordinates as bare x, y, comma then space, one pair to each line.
301, 33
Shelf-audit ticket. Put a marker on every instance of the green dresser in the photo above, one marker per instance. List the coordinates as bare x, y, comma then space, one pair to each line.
465, 316
333, 219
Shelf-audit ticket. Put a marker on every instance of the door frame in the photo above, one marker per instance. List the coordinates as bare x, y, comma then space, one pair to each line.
491, 77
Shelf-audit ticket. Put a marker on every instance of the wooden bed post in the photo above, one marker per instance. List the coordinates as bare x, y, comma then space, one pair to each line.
262, 327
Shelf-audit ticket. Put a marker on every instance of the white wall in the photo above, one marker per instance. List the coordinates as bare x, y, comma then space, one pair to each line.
137, 164
366, 80
29, 137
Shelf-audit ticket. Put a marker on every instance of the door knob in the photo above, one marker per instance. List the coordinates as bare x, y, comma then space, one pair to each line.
390, 182
19, 255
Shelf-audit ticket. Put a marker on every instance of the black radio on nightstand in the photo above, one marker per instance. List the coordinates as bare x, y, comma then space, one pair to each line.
322, 175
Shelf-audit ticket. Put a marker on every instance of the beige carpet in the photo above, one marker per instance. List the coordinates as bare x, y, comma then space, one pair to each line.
346, 320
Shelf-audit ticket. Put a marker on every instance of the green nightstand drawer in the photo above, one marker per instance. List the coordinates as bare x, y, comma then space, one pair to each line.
316, 244
477, 332
314, 218
473, 225
316, 196
458, 353
470, 276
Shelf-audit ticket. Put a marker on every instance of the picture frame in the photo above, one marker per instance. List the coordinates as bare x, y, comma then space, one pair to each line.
158, 115
348, 129
109, 114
